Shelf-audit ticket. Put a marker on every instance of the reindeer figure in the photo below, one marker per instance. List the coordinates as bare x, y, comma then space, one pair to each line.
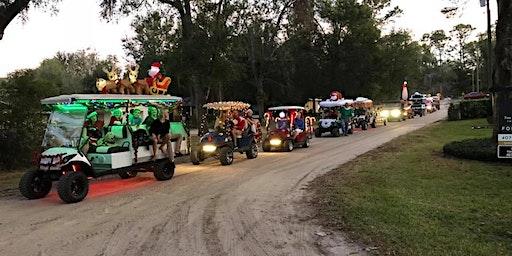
128, 82
140, 86
114, 82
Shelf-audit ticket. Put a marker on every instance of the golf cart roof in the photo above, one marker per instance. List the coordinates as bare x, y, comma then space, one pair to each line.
286, 108
84, 98
363, 99
227, 105
335, 103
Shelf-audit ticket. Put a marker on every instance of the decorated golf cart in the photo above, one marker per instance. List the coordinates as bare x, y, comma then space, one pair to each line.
364, 114
419, 104
88, 136
329, 122
287, 128
230, 134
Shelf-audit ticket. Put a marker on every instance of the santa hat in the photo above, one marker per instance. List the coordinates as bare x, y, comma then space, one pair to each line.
156, 64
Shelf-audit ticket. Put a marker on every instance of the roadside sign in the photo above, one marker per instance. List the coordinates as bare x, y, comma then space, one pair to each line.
504, 151
505, 130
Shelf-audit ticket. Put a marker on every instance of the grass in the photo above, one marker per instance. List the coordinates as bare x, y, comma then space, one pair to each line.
9, 181
406, 198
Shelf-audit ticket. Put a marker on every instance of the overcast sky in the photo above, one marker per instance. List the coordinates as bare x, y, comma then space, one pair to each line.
79, 26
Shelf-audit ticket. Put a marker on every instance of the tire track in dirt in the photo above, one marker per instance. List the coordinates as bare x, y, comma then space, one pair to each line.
250, 208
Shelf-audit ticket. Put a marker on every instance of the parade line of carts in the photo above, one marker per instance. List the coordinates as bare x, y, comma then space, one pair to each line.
92, 135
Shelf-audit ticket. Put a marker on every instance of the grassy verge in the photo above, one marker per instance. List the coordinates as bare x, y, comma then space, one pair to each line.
9, 181
406, 198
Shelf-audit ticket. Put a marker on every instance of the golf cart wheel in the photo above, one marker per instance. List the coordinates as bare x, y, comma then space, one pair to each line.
164, 170
364, 126
288, 146
374, 125
73, 187
127, 174
385, 122
266, 146
307, 143
318, 134
336, 132
35, 184
252, 152
226, 156
351, 131
195, 158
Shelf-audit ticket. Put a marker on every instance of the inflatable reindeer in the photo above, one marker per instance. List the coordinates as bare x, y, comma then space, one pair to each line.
140, 86
113, 84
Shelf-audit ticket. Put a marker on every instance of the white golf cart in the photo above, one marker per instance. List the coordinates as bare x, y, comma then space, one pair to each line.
329, 121
71, 154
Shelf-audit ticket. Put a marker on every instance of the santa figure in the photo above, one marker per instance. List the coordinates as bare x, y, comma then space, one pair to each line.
335, 96
154, 72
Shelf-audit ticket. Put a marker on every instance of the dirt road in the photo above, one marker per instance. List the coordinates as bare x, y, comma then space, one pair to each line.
249, 208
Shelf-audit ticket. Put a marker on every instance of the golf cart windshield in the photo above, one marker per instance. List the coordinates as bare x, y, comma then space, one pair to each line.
65, 126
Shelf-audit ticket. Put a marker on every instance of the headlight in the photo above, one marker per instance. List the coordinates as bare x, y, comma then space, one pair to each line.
209, 148
395, 113
384, 113
275, 142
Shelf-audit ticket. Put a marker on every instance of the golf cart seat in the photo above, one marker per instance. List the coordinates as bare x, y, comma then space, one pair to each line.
121, 144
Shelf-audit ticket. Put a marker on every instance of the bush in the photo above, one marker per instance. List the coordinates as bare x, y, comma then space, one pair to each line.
470, 109
473, 149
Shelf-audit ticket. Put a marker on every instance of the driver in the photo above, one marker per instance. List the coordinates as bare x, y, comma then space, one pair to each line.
92, 132
298, 125
240, 125
220, 121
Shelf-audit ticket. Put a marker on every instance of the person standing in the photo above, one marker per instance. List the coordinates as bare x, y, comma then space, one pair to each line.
346, 114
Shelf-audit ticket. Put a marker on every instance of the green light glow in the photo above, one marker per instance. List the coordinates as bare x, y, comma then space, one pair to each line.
70, 108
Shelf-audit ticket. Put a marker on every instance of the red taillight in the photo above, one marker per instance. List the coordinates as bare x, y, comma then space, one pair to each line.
36, 158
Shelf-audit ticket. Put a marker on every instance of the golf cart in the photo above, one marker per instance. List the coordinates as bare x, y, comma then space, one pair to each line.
219, 142
419, 105
364, 115
72, 154
394, 111
330, 122
287, 137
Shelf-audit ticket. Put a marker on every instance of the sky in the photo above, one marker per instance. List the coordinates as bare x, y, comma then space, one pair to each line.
78, 26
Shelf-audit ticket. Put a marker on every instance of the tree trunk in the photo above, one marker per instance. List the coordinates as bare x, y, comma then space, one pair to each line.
9, 12
503, 63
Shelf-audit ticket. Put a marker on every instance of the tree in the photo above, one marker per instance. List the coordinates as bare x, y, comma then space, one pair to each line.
10, 9
503, 71
438, 41
462, 32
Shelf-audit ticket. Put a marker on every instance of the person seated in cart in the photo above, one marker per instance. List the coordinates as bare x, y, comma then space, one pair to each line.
220, 122
283, 122
298, 125
135, 117
239, 125
152, 116
159, 131
92, 133
251, 122
175, 116
117, 117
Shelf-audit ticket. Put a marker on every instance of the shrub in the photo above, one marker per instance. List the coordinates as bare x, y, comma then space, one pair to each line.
473, 149
470, 109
